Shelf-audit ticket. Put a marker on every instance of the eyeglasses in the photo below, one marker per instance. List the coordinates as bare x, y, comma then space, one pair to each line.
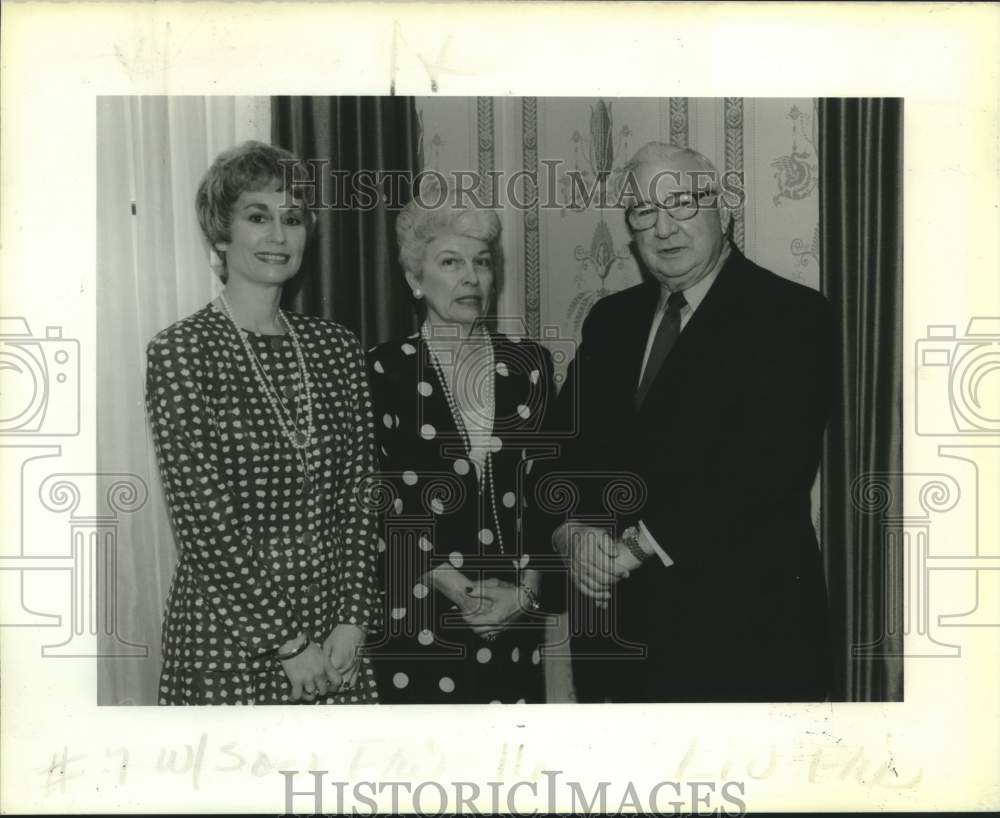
680, 207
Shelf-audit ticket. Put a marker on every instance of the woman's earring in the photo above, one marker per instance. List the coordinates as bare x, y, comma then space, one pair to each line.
418, 293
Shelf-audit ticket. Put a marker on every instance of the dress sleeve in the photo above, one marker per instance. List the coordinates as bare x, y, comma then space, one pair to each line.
357, 576
211, 537
404, 559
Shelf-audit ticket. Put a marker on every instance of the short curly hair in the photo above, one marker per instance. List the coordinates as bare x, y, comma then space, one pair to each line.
436, 211
248, 167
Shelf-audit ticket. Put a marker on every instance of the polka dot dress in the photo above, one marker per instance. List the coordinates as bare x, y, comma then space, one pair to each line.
264, 555
436, 511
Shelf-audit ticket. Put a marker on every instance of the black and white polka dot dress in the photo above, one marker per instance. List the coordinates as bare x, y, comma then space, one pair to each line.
262, 555
436, 510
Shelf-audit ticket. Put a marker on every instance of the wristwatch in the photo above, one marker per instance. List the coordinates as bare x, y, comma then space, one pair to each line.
630, 539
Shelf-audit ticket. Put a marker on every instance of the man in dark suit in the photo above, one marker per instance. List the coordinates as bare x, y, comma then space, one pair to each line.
711, 382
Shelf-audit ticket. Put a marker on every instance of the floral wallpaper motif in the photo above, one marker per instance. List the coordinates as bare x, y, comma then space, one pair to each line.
532, 237
807, 254
734, 159
797, 172
679, 121
603, 152
560, 261
600, 258
429, 149
485, 136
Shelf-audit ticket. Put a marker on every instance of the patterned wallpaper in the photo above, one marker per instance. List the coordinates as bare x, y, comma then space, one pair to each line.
561, 259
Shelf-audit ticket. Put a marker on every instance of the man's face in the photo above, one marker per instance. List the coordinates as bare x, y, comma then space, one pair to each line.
678, 252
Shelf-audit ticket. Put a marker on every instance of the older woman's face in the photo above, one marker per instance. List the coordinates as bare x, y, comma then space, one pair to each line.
267, 237
456, 279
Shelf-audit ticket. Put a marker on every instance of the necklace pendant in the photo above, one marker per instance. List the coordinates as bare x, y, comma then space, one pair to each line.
308, 486
301, 439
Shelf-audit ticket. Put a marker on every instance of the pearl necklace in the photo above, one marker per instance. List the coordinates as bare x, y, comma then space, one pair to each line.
486, 477
298, 439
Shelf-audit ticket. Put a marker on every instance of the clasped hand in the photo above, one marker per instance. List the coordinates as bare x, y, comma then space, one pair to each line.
321, 670
490, 605
591, 555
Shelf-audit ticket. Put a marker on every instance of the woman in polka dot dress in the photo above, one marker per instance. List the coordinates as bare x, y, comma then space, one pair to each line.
263, 430
460, 414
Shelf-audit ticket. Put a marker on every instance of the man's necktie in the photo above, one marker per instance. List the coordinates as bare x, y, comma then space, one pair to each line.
666, 335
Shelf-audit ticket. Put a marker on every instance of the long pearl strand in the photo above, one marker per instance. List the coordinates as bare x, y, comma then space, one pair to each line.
299, 440
486, 478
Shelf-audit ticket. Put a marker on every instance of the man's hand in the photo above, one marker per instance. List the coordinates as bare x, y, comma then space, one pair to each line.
310, 673
341, 646
590, 553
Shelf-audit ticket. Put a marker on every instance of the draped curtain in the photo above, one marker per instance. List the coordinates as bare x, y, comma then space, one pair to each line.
351, 273
861, 262
153, 269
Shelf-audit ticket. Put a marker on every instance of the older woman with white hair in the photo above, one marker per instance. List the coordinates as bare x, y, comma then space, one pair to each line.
460, 411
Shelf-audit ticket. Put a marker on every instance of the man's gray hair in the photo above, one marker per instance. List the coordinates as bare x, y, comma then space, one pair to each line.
666, 152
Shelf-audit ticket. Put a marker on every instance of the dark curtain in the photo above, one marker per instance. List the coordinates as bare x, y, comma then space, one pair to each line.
351, 271
861, 262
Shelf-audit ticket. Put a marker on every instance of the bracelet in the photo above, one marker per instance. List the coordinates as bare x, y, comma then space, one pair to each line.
533, 602
299, 650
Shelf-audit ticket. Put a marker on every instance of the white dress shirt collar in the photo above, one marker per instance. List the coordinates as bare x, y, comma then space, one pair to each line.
694, 295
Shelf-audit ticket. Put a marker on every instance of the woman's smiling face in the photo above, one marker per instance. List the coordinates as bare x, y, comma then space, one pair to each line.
267, 236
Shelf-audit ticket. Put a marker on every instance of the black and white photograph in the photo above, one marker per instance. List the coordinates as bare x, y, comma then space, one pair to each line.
536, 407
502, 400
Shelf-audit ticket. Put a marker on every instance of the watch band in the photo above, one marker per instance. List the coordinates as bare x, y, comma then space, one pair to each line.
630, 538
